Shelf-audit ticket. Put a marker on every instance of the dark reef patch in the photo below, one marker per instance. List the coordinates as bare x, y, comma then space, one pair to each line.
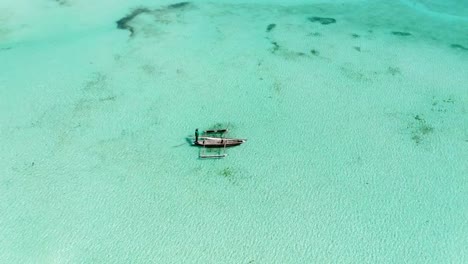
108, 98
394, 70
284, 52
315, 34
149, 69
276, 47
124, 23
219, 125
62, 2
322, 20
158, 13
420, 129
270, 27
354, 74
458, 47
232, 175
442, 105
401, 34
354, 35
227, 172
178, 5
97, 82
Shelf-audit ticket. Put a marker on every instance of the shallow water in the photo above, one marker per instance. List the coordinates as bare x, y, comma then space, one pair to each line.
357, 132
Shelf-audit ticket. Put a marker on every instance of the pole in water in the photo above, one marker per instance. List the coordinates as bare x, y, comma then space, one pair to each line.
196, 135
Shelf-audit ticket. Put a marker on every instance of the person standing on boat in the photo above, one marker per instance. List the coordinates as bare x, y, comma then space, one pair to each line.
196, 135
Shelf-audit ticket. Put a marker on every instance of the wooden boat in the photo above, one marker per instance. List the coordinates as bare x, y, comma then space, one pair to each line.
214, 142
213, 139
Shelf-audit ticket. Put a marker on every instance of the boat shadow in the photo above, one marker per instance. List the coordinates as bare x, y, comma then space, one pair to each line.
190, 141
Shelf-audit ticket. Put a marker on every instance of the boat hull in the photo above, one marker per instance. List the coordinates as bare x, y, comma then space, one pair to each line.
210, 142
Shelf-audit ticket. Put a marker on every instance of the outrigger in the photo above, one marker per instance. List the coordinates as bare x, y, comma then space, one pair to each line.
214, 138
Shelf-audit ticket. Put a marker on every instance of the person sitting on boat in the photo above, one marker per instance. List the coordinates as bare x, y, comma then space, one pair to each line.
196, 135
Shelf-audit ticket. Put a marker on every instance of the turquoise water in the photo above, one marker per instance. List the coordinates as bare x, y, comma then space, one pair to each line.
357, 132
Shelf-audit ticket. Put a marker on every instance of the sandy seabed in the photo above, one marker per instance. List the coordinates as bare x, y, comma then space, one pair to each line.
355, 114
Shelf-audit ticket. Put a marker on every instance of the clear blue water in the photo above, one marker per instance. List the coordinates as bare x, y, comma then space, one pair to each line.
355, 114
